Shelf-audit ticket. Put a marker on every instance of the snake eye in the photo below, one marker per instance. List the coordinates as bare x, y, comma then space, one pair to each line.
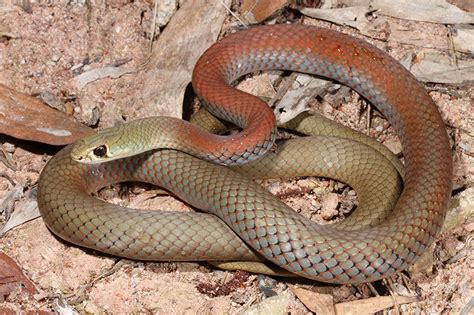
100, 151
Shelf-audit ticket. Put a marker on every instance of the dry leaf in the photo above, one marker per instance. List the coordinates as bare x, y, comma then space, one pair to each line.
25, 210
435, 11
381, 28
466, 5
316, 302
463, 40
255, 11
373, 305
295, 101
7, 204
441, 68
192, 29
12, 278
25, 117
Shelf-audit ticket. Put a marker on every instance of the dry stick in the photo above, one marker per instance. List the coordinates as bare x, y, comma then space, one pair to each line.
405, 282
369, 118
233, 14
372, 289
153, 24
224, 279
388, 283
451, 46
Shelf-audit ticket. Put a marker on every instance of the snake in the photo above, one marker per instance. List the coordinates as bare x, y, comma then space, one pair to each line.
245, 222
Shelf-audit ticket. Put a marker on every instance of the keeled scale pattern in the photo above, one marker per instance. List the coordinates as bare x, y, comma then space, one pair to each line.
326, 253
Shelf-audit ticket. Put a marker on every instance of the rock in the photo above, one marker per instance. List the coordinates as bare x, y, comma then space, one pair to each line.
165, 10
329, 206
274, 305
393, 144
461, 210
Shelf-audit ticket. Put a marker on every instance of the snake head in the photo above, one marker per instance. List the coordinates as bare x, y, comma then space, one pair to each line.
107, 145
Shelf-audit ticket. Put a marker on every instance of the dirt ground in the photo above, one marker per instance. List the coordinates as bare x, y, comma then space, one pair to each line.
42, 53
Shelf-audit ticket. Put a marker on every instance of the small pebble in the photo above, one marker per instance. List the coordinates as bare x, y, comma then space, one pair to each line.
394, 145
8, 147
329, 206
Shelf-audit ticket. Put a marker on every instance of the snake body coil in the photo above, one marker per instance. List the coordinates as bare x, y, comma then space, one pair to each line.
334, 253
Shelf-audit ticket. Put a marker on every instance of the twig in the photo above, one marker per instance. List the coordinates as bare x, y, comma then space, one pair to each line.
233, 14
405, 282
388, 284
372, 289
153, 24
451, 47
369, 118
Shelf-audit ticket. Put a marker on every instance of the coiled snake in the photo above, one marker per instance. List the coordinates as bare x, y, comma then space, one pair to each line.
362, 248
